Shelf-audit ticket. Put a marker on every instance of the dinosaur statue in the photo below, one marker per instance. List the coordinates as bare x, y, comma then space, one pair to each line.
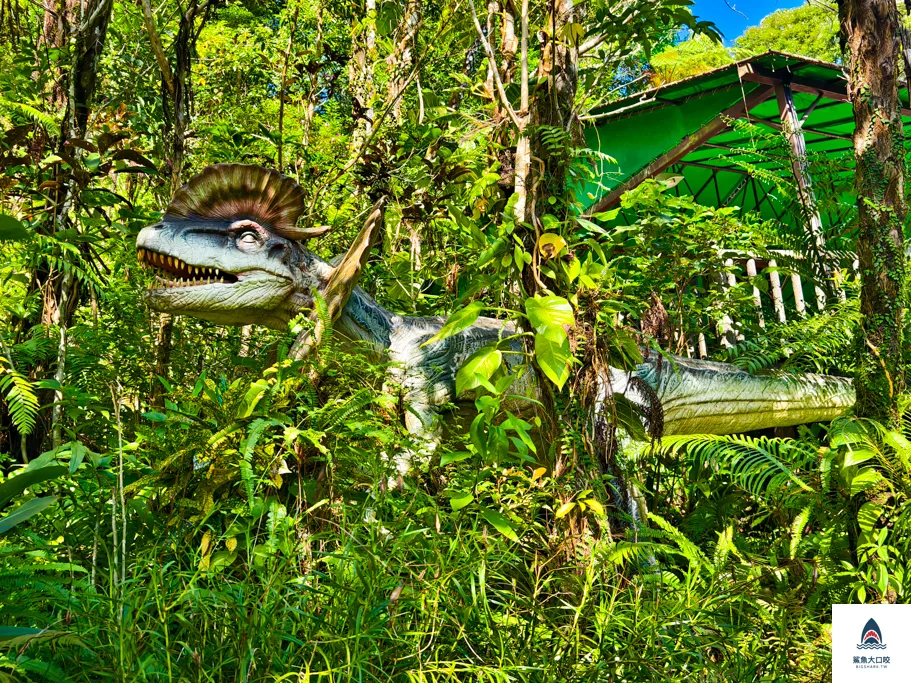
228, 250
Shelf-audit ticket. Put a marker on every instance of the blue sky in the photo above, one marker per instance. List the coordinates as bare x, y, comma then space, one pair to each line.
731, 23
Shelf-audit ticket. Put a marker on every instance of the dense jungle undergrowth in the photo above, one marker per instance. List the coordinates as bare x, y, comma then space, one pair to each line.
181, 501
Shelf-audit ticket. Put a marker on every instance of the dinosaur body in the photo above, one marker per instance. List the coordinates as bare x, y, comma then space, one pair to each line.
228, 250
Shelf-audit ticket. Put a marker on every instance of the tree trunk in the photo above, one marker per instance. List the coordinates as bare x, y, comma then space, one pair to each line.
552, 110
870, 33
162, 356
360, 76
402, 56
522, 159
184, 47
86, 38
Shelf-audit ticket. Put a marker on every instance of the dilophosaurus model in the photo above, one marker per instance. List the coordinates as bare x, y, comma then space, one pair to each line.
229, 250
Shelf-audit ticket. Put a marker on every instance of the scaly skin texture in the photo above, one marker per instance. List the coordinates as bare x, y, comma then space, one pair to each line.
234, 270
703, 397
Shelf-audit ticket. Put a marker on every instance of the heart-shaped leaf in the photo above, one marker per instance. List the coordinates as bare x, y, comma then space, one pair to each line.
482, 364
549, 310
553, 357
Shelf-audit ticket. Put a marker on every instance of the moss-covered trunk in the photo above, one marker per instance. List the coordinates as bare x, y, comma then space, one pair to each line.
869, 31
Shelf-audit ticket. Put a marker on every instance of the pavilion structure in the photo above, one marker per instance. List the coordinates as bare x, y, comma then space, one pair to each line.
717, 137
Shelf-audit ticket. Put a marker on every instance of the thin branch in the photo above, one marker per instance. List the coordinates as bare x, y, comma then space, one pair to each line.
524, 73
282, 93
496, 72
734, 9
163, 64
634, 105
415, 70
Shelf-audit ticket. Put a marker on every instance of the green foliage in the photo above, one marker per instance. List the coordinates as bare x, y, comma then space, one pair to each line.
233, 515
810, 30
758, 465
689, 58
677, 253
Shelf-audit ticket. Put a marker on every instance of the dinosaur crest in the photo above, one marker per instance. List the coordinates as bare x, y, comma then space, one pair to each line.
234, 191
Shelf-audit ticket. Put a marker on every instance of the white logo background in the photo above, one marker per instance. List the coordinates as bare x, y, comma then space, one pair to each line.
894, 623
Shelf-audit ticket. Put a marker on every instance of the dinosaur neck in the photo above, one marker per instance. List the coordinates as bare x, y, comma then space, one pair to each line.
363, 319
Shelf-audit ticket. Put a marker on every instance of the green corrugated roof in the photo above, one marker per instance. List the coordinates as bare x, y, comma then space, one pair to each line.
639, 129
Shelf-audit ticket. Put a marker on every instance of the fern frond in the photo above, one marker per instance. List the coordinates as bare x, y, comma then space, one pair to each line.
254, 433
756, 464
335, 415
626, 552
687, 548
21, 399
33, 113
797, 527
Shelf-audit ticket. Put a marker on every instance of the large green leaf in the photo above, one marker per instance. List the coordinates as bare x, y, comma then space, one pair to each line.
458, 321
448, 458
500, 523
12, 230
483, 363
553, 358
25, 511
869, 515
545, 311
865, 479
13, 486
7, 632
460, 499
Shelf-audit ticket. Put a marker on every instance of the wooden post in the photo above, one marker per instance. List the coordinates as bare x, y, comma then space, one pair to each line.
777, 299
732, 282
820, 299
757, 301
726, 325
799, 302
790, 121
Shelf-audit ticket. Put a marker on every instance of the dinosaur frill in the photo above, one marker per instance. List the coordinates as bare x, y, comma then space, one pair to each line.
232, 192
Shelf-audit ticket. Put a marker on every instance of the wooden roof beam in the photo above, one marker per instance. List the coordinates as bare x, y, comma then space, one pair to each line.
812, 131
754, 73
734, 169
684, 147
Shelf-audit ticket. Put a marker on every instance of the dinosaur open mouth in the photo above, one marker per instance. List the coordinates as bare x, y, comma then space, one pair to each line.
172, 272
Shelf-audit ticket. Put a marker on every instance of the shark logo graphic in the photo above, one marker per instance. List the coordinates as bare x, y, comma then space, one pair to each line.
871, 637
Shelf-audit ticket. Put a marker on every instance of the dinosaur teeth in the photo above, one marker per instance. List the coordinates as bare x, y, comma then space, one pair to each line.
169, 271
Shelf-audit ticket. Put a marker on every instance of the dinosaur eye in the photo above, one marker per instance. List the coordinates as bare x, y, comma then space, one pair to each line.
248, 238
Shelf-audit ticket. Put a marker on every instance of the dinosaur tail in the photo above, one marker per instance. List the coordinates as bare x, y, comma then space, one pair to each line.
704, 397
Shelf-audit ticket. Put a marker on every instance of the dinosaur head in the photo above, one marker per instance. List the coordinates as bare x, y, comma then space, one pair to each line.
228, 249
